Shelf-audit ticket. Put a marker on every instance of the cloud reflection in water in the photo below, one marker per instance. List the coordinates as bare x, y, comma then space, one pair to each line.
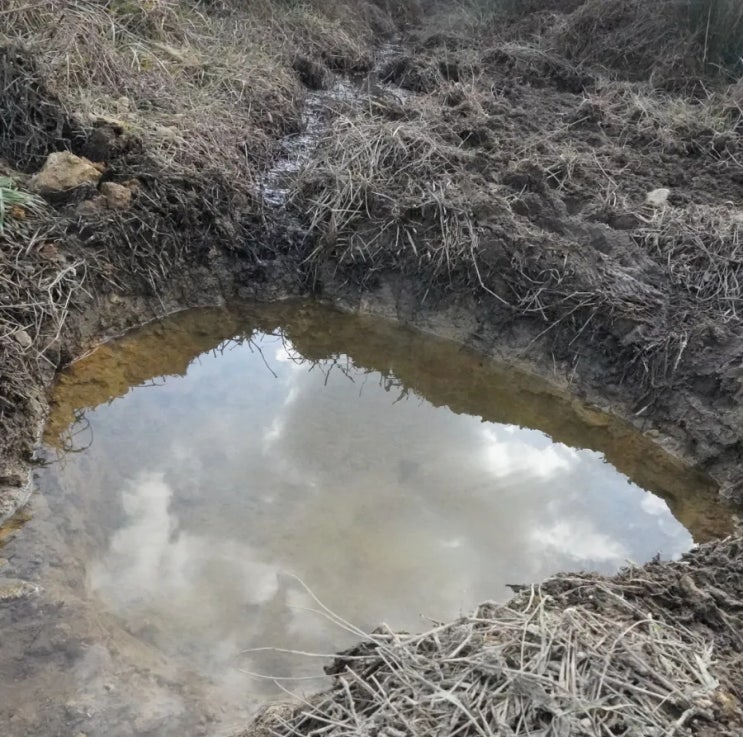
387, 507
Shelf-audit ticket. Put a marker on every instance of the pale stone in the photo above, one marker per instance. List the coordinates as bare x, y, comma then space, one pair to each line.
658, 197
13, 588
118, 197
23, 339
62, 172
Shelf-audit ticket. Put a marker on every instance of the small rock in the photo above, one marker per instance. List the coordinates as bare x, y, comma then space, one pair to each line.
64, 172
168, 132
118, 197
23, 339
13, 588
50, 251
94, 206
658, 197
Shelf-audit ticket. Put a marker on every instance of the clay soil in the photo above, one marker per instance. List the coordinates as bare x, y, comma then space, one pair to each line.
502, 179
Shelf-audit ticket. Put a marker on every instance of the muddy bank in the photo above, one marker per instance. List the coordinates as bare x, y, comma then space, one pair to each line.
133, 139
534, 206
202, 460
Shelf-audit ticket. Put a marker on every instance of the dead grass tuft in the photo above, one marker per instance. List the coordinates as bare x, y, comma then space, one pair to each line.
386, 192
158, 69
702, 248
673, 45
654, 121
38, 287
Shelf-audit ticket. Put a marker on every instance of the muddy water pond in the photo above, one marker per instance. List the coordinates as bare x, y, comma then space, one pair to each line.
229, 485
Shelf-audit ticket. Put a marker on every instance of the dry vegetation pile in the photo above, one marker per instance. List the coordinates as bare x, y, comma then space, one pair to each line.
633, 655
446, 185
386, 190
673, 43
676, 44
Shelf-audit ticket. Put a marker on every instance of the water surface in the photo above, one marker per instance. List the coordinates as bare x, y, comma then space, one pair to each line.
216, 474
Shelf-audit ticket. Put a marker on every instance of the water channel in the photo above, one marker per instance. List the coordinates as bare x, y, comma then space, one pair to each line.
213, 481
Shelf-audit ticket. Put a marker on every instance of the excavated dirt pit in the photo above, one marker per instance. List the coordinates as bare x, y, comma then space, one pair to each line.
227, 485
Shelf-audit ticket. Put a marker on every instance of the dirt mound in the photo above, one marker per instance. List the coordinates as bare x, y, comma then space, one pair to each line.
652, 651
514, 181
675, 44
32, 120
672, 43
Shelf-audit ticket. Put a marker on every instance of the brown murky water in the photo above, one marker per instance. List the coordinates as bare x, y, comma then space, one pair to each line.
217, 479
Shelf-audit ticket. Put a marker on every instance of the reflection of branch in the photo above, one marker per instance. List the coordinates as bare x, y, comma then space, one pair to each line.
78, 426
240, 340
341, 362
346, 370
404, 391
253, 344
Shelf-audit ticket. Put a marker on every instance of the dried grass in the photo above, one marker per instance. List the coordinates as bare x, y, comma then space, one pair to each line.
636, 115
670, 43
530, 667
15, 203
38, 287
182, 81
702, 248
382, 192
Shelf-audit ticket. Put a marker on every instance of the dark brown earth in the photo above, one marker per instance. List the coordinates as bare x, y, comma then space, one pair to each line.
489, 184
